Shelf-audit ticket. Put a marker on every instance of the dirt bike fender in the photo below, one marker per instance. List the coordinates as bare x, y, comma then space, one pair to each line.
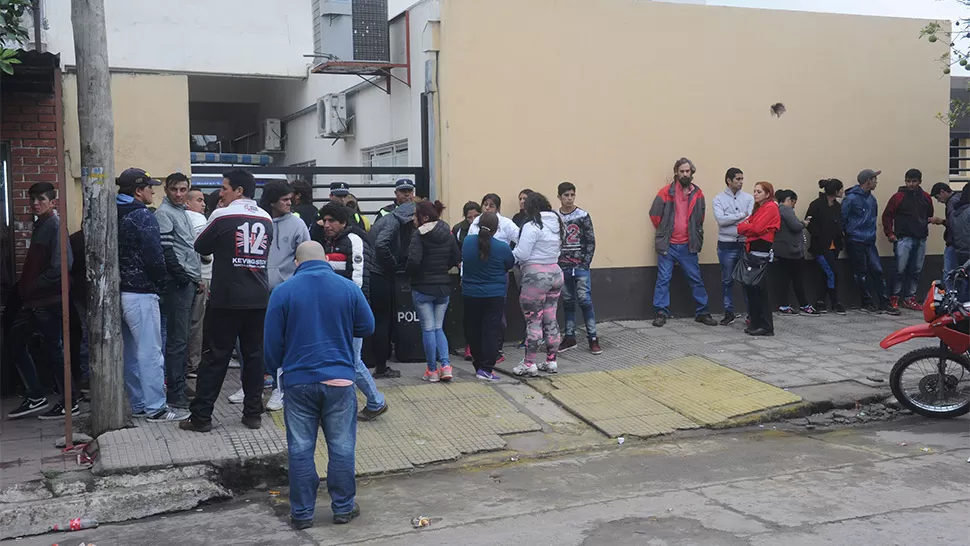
906, 334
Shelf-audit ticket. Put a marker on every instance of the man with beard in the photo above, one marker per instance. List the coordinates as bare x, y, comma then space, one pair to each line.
678, 214
350, 254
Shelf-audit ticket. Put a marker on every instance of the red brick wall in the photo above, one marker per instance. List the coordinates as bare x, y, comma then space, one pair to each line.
29, 126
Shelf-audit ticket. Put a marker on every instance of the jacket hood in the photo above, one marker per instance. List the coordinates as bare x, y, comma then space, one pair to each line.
404, 213
435, 232
550, 220
127, 203
285, 217
857, 190
352, 228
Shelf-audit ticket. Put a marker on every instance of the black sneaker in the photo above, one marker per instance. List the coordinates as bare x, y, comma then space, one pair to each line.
188, 424
839, 309
568, 342
706, 318
388, 373
253, 421
57, 412
340, 519
369, 415
728, 319
870, 308
890, 310
301, 524
820, 307
28, 406
660, 320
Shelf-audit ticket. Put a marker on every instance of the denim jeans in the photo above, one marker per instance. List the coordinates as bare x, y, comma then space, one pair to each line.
365, 381
665, 271
177, 304
864, 260
577, 287
309, 408
47, 322
910, 253
728, 254
141, 332
431, 314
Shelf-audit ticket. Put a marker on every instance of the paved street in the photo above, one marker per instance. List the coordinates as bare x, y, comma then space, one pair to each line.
904, 482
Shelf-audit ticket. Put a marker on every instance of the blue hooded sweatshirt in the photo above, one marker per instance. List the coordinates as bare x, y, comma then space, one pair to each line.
311, 323
141, 263
859, 215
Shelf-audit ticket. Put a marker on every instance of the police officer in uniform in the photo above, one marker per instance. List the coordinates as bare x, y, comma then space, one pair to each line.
403, 193
340, 194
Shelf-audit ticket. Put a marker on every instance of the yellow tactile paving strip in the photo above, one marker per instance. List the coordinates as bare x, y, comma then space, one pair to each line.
661, 398
430, 423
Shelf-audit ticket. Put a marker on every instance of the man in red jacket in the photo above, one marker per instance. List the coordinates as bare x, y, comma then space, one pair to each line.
678, 214
40, 291
905, 222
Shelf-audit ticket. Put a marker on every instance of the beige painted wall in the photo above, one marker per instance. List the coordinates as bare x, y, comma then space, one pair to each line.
151, 128
608, 94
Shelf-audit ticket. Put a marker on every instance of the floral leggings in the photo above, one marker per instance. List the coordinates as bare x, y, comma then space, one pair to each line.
541, 286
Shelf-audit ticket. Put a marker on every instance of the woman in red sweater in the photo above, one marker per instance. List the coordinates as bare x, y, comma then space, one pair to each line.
759, 230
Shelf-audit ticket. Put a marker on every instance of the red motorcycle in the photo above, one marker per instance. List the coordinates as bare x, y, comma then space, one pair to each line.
935, 381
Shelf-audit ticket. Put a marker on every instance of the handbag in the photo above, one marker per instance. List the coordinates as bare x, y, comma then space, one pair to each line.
750, 269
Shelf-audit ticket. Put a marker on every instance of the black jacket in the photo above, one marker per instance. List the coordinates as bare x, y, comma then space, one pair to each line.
351, 255
825, 226
907, 213
390, 236
307, 212
431, 255
460, 231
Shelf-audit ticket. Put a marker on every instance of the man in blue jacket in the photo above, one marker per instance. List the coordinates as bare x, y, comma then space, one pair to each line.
859, 214
311, 323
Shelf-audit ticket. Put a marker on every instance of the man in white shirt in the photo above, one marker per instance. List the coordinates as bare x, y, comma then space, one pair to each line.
195, 208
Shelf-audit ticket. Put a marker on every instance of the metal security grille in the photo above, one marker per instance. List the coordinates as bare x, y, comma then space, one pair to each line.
371, 35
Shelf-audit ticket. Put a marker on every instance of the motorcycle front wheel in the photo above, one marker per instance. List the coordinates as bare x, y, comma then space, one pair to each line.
917, 384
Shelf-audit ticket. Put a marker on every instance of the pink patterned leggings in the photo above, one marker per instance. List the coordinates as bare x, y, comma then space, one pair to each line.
541, 286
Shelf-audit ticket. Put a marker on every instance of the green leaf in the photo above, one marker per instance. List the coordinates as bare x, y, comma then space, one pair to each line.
6, 68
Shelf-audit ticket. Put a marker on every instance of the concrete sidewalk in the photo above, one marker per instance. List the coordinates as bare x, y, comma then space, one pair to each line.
684, 375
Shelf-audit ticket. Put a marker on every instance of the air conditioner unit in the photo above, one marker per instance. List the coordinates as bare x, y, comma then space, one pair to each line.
271, 132
332, 115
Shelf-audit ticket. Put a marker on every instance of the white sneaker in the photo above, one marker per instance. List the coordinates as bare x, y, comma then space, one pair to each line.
275, 401
523, 370
549, 366
237, 397
233, 363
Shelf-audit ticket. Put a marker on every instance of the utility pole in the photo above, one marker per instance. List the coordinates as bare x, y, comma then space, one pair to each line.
100, 222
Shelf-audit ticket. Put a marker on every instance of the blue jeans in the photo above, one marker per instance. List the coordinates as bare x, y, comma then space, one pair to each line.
309, 408
864, 260
665, 271
177, 310
728, 254
431, 314
365, 381
910, 253
141, 332
577, 288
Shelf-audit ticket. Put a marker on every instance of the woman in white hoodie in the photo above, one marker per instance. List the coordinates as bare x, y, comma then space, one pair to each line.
508, 232
537, 254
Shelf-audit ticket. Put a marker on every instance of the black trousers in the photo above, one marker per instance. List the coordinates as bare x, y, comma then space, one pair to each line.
483, 330
382, 305
789, 272
220, 328
759, 305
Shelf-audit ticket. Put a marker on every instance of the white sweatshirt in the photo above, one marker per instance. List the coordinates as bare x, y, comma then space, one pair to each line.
508, 232
539, 245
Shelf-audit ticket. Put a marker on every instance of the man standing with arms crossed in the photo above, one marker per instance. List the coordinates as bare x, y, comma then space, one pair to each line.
678, 214
238, 236
311, 324
183, 285
730, 207
859, 213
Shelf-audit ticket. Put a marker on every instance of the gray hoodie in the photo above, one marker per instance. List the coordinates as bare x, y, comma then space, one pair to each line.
790, 237
288, 232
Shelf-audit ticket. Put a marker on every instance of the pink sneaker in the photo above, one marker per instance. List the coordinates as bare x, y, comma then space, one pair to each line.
431, 376
445, 374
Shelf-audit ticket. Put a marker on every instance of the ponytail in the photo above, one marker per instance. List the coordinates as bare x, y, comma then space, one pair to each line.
487, 226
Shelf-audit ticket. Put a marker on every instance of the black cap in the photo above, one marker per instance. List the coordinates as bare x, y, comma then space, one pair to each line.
134, 177
404, 184
340, 189
940, 187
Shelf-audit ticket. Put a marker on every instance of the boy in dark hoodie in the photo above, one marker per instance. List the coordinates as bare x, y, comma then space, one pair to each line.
906, 223
40, 291
859, 213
